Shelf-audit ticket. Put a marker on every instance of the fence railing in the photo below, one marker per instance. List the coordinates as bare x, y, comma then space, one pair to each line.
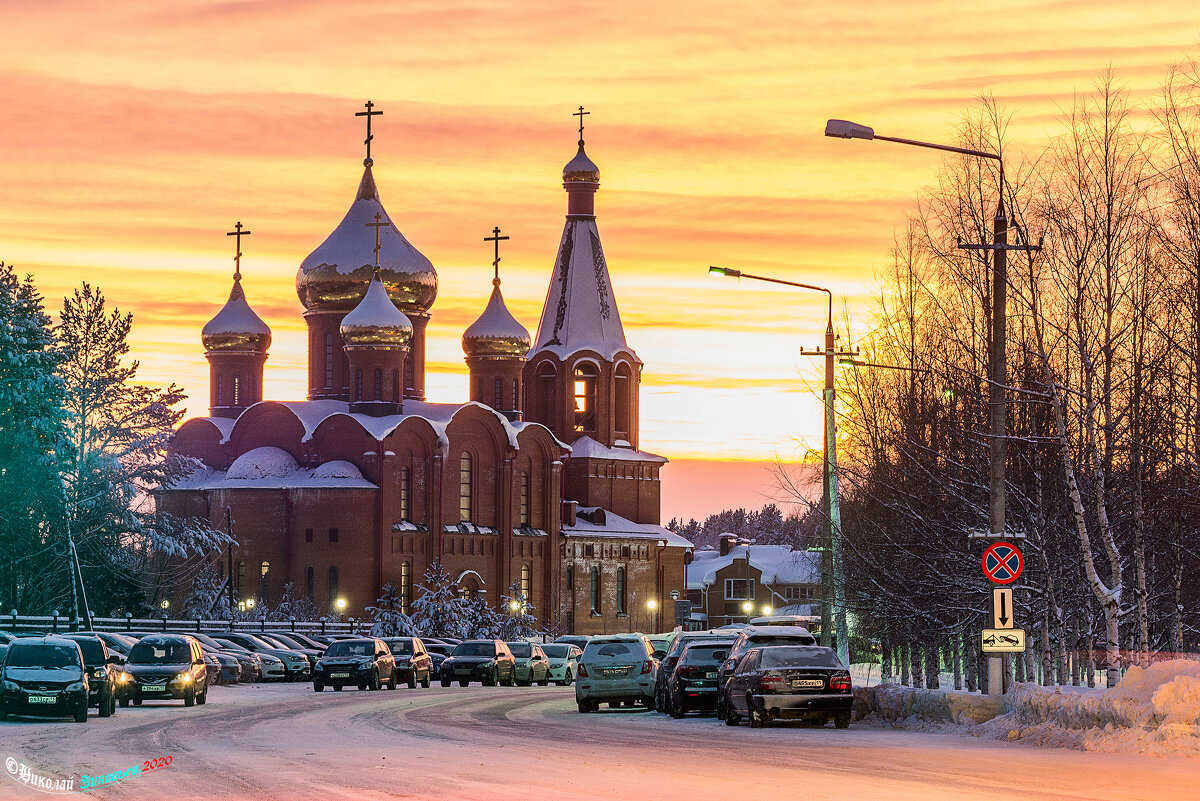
18, 624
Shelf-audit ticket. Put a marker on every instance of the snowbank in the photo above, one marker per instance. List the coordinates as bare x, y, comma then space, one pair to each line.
895, 703
1152, 710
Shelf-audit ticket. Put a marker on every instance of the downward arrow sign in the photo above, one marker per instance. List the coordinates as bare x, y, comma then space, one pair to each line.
1003, 609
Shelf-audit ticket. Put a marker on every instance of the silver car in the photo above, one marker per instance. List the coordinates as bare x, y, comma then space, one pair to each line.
564, 662
618, 669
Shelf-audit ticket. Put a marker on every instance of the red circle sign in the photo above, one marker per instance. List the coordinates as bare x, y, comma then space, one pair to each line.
1002, 563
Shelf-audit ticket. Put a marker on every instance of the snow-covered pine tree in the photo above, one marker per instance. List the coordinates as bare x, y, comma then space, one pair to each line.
516, 618
290, 606
437, 610
387, 619
33, 563
118, 431
205, 599
481, 621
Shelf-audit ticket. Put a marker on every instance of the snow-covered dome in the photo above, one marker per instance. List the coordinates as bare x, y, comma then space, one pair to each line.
236, 327
496, 332
581, 168
375, 321
339, 468
337, 274
265, 462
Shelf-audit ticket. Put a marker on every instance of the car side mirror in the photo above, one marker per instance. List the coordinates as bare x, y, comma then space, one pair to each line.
113, 660
719, 655
659, 654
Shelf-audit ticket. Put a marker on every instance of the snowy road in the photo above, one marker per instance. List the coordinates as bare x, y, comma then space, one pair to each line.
285, 742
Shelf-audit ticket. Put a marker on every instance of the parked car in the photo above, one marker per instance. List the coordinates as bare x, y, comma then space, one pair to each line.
617, 669
532, 664
662, 695
806, 682
165, 666
661, 643
486, 661
580, 641
272, 668
288, 644
44, 677
413, 663
228, 669
303, 640
119, 643
693, 683
785, 620
757, 637
564, 662
365, 661
103, 669
295, 664
439, 652
250, 664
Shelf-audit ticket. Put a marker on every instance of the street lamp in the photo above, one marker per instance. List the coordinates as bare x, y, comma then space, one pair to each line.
165, 604
831, 571
998, 368
340, 604
747, 608
249, 603
766, 610
515, 606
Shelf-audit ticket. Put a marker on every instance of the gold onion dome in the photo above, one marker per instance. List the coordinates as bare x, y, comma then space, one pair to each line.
236, 327
375, 321
336, 275
581, 168
496, 332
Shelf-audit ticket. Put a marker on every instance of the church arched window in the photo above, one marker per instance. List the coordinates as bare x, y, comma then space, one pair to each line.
409, 381
516, 398
333, 586
328, 361
620, 590
310, 581
220, 390
358, 385
595, 588
405, 494
237, 390
586, 379
465, 506
526, 583
405, 586
545, 392
378, 384
623, 395
524, 499
499, 404
395, 386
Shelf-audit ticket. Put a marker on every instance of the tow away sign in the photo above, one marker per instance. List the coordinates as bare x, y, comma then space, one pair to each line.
1003, 641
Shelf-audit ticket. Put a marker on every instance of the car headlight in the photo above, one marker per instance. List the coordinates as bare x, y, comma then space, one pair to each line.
124, 677
184, 678
75, 686
11, 686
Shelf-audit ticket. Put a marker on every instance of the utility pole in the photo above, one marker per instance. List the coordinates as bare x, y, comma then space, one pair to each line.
229, 557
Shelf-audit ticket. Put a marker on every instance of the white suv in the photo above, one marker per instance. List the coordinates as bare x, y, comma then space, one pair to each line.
617, 669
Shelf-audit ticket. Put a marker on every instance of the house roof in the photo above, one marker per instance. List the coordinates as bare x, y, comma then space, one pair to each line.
779, 564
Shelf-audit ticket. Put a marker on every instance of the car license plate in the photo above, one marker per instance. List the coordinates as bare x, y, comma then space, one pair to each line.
798, 683
615, 671
339, 675
710, 675
42, 699
154, 688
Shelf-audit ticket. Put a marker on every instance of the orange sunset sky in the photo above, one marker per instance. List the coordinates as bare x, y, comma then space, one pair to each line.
133, 135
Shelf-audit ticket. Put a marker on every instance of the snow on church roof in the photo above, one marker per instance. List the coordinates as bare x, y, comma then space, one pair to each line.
586, 447
622, 528
580, 311
269, 467
778, 564
496, 332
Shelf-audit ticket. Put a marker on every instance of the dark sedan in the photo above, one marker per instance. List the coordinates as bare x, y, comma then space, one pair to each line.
486, 661
366, 662
662, 681
693, 683
104, 669
804, 682
413, 663
165, 666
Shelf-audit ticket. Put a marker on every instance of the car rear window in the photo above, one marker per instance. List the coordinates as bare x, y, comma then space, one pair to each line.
160, 653
475, 649
612, 649
700, 654
799, 657
521, 649
41, 656
93, 651
351, 648
767, 640
555, 651
400, 646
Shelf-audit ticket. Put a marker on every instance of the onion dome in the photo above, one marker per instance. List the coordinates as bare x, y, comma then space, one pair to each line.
236, 327
581, 168
496, 332
375, 321
336, 275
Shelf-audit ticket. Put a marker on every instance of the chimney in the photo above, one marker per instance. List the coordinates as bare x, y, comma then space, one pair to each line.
570, 510
727, 543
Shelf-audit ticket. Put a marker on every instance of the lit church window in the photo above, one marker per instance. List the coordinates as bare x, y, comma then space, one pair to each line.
586, 379
464, 488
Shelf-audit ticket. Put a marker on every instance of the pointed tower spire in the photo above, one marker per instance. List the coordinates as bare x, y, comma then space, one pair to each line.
495, 346
235, 343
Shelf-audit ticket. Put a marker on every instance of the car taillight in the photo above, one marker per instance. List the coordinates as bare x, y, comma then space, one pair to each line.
685, 670
583, 670
647, 666
841, 683
771, 682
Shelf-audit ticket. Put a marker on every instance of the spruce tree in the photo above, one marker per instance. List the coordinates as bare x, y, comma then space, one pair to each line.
387, 619
438, 611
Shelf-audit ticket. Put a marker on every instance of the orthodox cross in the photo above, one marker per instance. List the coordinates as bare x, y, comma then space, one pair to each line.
237, 257
495, 237
377, 225
368, 114
580, 114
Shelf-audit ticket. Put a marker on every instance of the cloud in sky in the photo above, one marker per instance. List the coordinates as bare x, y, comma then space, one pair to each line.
134, 135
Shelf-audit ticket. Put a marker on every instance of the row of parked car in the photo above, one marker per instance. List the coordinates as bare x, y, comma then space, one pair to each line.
760, 673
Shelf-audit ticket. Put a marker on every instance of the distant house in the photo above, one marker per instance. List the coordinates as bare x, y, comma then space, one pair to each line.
738, 582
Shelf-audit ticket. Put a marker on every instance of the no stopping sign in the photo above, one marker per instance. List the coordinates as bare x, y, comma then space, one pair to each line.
1002, 563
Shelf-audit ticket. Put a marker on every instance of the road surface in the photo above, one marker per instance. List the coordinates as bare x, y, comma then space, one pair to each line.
283, 741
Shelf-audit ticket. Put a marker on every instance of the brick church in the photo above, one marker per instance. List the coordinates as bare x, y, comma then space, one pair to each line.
536, 480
